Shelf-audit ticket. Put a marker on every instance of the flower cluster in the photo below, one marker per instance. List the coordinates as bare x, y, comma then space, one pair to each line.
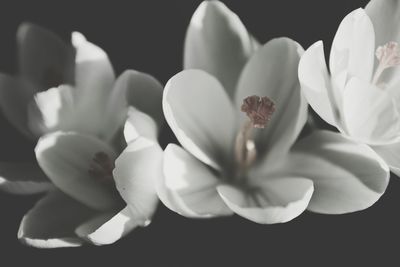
238, 109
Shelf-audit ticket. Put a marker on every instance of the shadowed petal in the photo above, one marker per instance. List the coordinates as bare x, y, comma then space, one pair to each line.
44, 59
353, 49
275, 200
144, 93
23, 178
135, 174
52, 221
316, 84
15, 96
218, 43
52, 110
188, 187
107, 228
67, 158
391, 154
347, 176
139, 124
94, 77
201, 115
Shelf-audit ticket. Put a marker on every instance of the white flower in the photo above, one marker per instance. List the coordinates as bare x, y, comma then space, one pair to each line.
360, 95
248, 164
100, 191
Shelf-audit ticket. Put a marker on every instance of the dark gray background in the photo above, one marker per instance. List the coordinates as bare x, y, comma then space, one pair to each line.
148, 36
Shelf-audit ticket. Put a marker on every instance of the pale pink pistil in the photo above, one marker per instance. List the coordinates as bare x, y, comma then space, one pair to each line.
388, 56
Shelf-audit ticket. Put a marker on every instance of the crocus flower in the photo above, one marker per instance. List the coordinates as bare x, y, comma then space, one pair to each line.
238, 119
101, 188
360, 96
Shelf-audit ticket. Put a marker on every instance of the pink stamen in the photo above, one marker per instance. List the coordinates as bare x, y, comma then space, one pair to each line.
101, 167
388, 56
259, 110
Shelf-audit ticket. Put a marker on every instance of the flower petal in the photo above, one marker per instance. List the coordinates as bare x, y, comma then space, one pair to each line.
23, 178
107, 228
201, 115
52, 221
385, 16
62, 108
370, 114
353, 49
347, 176
53, 109
391, 155
135, 174
144, 93
316, 85
94, 78
279, 200
218, 43
139, 124
188, 187
44, 59
66, 158
15, 95
94, 72
272, 72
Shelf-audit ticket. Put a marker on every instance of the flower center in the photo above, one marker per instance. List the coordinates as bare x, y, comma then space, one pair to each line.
101, 167
388, 56
259, 110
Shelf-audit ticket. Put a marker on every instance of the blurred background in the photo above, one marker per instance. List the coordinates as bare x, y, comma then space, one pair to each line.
148, 36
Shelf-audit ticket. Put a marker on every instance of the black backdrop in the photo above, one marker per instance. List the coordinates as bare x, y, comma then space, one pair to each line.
148, 36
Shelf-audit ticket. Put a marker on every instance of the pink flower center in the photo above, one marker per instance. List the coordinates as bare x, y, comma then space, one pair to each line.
101, 167
388, 56
259, 110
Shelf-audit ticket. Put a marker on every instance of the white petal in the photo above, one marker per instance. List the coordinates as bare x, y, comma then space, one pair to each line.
272, 72
107, 228
44, 59
62, 108
370, 114
353, 49
53, 109
385, 16
113, 114
66, 159
139, 124
135, 174
93, 67
279, 200
218, 43
144, 93
316, 84
23, 178
15, 95
347, 176
391, 154
52, 221
188, 187
94, 76
200, 114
